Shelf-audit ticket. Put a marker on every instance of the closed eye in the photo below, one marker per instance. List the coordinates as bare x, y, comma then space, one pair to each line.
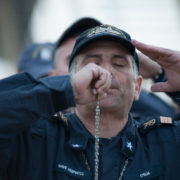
119, 61
94, 58
118, 65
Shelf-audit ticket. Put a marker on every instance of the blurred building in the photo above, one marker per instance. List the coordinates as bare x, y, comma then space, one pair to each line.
14, 32
7, 68
25, 21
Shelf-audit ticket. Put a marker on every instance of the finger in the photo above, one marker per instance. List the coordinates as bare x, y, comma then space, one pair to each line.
162, 87
102, 95
148, 67
108, 82
101, 81
146, 61
151, 51
104, 80
103, 88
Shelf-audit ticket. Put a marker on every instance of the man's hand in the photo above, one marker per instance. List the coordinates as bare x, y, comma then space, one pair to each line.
89, 77
148, 68
169, 60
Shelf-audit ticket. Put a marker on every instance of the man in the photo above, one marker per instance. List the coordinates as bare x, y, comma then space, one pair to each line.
105, 60
36, 59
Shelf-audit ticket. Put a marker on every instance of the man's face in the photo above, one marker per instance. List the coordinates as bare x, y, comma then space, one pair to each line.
117, 60
62, 56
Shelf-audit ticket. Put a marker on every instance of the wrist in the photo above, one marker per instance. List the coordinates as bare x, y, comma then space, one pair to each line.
160, 76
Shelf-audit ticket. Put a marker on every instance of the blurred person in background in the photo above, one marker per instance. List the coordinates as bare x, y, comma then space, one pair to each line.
36, 59
65, 44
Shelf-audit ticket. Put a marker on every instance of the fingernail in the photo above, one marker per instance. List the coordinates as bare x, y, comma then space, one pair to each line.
94, 91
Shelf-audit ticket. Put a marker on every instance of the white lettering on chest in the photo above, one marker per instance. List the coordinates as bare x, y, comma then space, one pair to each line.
62, 166
145, 174
72, 171
75, 172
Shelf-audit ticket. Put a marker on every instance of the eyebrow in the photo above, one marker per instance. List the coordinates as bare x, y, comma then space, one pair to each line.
124, 58
92, 56
120, 56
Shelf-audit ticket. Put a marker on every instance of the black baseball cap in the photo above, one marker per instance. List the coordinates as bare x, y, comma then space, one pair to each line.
77, 28
104, 32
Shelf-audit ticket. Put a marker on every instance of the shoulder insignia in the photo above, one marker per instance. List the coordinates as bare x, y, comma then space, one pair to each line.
149, 123
155, 122
166, 120
64, 118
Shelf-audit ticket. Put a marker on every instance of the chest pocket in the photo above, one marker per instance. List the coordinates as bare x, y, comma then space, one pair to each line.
65, 172
152, 173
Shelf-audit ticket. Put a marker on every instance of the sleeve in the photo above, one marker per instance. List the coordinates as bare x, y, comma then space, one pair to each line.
23, 100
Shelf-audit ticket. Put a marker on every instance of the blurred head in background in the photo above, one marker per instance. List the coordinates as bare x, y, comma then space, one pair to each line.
36, 59
65, 44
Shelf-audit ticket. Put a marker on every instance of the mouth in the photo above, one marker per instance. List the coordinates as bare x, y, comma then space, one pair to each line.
111, 90
114, 85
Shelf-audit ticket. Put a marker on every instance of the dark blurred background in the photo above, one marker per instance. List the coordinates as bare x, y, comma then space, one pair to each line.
14, 26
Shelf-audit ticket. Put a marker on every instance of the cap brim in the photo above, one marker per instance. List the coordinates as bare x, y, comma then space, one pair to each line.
127, 44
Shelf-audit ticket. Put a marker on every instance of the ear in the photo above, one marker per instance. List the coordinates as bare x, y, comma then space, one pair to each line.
52, 73
138, 82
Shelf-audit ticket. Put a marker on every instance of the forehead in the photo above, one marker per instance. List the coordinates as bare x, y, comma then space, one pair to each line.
98, 46
64, 51
67, 45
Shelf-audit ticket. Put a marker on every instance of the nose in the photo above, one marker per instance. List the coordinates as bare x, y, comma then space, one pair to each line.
107, 66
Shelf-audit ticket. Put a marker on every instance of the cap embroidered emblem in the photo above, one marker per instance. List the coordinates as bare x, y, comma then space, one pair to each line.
105, 29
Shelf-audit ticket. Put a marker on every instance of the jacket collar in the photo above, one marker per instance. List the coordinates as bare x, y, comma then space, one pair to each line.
79, 136
129, 138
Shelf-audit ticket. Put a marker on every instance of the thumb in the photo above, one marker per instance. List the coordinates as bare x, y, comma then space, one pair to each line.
161, 87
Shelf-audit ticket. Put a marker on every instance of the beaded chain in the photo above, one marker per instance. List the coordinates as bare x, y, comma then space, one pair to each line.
96, 160
96, 146
97, 121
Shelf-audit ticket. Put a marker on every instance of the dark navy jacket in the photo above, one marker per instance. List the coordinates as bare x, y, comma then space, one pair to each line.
150, 104
34, 145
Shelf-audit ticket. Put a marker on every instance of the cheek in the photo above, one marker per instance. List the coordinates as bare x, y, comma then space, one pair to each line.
63, 69
127, 86
127, 79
